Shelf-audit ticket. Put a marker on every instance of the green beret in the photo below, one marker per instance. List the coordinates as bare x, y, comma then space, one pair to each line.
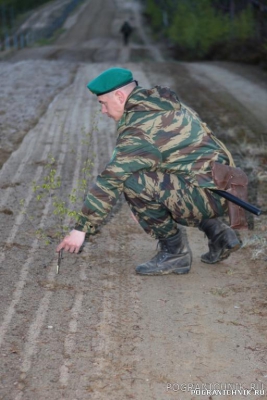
109, 80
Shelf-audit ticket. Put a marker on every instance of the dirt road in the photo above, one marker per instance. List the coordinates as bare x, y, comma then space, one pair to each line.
97, 330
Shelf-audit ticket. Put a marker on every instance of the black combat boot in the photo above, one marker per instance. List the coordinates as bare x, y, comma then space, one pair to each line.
174, 257
222, 240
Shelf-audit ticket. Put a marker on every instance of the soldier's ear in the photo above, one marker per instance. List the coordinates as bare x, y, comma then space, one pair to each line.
121, 96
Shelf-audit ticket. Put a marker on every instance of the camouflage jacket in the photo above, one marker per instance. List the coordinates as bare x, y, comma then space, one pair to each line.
157, 133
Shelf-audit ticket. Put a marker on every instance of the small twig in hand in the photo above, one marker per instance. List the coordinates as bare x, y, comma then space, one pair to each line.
60, 256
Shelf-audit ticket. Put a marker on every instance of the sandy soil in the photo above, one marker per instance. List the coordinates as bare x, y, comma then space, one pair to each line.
97, 330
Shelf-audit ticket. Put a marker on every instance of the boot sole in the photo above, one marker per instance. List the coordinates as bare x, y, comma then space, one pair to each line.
225, 253
228, 251
181, 271
178, 271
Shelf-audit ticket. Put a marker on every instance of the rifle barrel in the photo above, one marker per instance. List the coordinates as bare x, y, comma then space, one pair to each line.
247, 206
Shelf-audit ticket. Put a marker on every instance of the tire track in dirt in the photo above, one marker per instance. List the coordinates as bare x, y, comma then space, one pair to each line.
20, 218
56, 132
69, 344
18, 222
34, 330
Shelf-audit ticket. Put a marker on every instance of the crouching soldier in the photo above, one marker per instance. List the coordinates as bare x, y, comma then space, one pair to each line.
165, 162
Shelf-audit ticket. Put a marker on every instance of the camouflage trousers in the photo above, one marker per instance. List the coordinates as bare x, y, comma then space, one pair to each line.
159, 201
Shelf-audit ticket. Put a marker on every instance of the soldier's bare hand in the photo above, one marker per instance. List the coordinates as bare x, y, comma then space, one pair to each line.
72, 242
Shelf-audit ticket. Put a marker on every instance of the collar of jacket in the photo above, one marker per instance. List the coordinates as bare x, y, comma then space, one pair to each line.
122, 121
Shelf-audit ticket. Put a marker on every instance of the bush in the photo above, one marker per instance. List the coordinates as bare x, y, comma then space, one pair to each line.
243, 26
155, 15
196, 28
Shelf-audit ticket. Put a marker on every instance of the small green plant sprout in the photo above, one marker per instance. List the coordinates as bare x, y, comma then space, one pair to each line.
50, 182
86, 174
50, 190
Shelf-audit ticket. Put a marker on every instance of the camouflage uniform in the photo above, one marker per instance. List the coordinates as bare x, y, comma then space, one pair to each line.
162, 164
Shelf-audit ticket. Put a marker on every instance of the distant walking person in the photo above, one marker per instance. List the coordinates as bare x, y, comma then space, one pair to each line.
126, 30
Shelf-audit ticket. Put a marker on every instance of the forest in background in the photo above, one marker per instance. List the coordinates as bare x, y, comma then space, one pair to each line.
12, 11
233, 30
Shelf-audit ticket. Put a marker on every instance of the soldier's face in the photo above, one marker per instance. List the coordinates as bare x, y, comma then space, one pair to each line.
112, 105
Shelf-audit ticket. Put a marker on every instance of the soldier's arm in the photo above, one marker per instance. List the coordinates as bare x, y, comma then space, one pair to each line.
134, 152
